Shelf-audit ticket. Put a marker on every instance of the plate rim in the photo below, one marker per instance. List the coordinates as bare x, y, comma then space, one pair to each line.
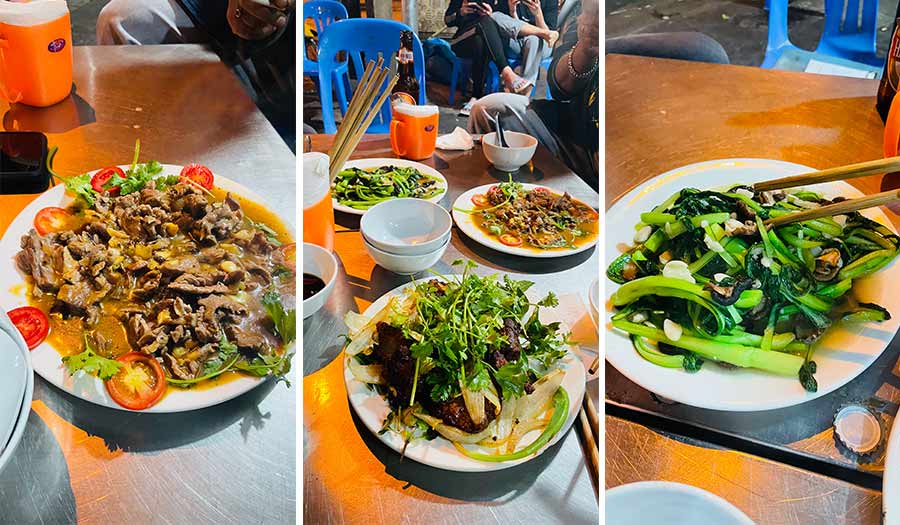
400, 162
673, 392
681, 488
577, 367
238, 386
8, 449
465, 225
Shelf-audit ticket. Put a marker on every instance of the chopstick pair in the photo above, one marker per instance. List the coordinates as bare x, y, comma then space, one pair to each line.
851, 171
364, 106
590, 435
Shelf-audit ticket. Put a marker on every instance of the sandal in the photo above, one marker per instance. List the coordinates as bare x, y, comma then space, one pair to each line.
520, 86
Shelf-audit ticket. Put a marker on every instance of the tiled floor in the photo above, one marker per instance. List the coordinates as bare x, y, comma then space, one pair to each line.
84, 20
741, 26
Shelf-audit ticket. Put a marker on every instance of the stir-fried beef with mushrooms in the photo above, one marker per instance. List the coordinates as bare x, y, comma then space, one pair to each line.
535, 218
173, 274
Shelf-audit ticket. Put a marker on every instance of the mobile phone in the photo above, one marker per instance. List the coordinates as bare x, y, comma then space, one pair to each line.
23, 162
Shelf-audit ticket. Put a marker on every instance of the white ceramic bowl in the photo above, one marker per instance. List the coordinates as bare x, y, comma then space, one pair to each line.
321, 263
406, 226
670, 503
11, 338
521, 149
406, 264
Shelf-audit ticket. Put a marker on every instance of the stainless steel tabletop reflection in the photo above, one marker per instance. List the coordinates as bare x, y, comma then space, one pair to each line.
349, 475
232, 463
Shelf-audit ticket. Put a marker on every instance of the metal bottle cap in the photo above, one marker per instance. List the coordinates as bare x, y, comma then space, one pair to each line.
858, 428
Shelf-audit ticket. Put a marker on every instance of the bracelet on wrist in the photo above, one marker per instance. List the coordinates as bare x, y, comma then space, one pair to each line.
574, 72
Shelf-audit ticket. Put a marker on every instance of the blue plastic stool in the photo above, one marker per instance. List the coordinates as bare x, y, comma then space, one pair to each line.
461, 67
851, 39
364, 39
493, 85
323, 14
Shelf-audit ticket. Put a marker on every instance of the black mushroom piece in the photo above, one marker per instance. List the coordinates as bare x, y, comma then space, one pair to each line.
828, 264
727, 291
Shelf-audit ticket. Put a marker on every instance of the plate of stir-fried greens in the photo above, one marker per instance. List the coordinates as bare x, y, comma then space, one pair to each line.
363, 183
463, 372
706, 311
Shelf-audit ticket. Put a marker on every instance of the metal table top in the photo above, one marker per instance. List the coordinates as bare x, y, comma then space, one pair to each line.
768, 492
349, 475
706, 112
232, 463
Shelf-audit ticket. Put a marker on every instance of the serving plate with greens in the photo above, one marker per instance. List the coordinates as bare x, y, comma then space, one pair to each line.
165, 291
363, 183
404, 366
705, 311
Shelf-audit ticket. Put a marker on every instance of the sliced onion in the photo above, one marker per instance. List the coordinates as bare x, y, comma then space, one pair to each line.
505, 423
452, 433
355, 322
523, 428
365, 336
370, 374
533, 404
490, 393
474, 403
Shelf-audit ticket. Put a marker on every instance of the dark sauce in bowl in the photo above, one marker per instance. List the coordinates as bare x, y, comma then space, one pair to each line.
312, 285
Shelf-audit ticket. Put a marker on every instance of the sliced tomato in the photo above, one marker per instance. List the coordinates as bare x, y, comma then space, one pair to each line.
289, 252
510, 239
198, 173
32, 323
495, 193
480, 200
139, 384
51, 219
103, 176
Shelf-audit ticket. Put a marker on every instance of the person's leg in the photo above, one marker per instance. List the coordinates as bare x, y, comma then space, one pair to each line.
485, 109
513, 28
473, 49
531, 53
496, 48
144, 22
682, 46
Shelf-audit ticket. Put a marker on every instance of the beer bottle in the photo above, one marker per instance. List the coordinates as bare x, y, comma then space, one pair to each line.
407, 87
890, 77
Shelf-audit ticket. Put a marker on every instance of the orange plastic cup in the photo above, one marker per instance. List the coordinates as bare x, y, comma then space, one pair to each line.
318, 211
35, 52
414, 130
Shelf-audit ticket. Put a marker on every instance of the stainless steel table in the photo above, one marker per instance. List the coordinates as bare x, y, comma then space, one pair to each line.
233, 463
770, 493
349, 475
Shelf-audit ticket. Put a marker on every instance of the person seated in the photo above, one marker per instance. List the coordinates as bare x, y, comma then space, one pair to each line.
529, 26
479, 39
257, 39
568, 125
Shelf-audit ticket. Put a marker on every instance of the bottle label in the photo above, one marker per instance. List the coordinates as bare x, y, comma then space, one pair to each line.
893, 71
56, 46
404, 56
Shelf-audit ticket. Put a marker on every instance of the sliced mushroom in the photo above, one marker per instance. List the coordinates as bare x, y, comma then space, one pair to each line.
828, 264
771, 197
727, 291
734, 227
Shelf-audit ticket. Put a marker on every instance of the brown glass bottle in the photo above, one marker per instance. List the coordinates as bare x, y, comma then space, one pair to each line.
890, 77
407, 87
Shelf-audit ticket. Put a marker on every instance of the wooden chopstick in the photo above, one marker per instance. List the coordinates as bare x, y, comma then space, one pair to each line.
592, 453
850, 171
595, 364
839, 208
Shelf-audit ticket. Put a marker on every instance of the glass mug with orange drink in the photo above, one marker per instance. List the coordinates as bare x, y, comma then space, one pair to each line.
413, 130
318, 212
35, 51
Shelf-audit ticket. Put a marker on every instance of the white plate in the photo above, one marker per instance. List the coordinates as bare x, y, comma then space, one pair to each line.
24, 406
439, 452
47, 361
403, 163
841, 355
891, 477
670, 503
14, 372
467, 224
